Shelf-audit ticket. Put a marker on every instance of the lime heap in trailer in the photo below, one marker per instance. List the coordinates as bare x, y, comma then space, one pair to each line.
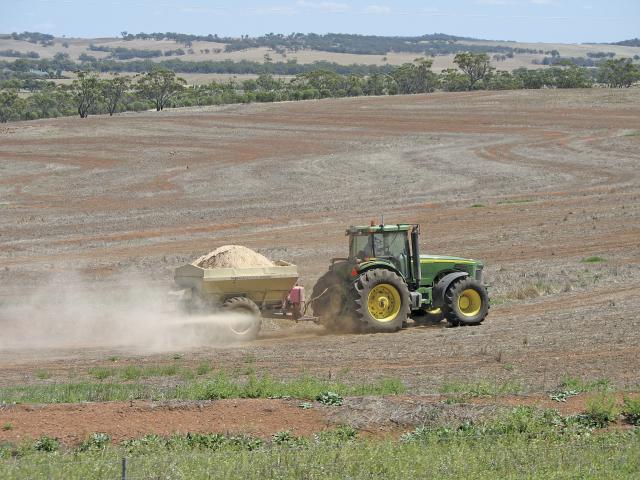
385, 280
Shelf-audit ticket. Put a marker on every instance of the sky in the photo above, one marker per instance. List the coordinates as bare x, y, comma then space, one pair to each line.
552, 21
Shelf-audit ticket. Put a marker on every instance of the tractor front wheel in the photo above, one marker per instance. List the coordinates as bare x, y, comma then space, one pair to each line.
382, 301
466, 302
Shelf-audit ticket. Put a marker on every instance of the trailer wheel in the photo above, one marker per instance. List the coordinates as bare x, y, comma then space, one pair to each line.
382, 300
246, 326
466, 302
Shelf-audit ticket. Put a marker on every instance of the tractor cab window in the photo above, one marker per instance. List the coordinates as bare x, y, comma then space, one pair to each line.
393, 246
361, 247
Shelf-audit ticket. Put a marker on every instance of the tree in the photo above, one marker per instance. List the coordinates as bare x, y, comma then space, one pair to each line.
453, 80
8, 100
503, 80
620, 73
375, 84
113, 90
475, 65
329, 84
568, 76
266, 82
159, 86
415, 77
86, 91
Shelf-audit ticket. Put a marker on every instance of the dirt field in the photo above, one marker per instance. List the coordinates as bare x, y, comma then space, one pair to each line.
532, 182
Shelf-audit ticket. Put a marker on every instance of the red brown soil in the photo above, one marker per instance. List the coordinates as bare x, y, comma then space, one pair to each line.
72, 423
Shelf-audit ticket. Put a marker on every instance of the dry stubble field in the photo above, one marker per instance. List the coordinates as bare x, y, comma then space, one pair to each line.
532, 182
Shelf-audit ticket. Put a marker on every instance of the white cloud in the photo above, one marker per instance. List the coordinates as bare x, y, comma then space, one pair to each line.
326, 7
377, 9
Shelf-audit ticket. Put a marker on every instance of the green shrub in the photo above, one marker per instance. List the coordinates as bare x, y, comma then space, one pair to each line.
594, 259
329, 398
338, 435
131, 372
286, 438
482, 389
601, 409
579, 385
211, 441
203, 368
100, 373
631, 410
43, 374
95, 441
46, 444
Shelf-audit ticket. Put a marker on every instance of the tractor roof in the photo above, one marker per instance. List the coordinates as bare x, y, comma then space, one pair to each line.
400, 227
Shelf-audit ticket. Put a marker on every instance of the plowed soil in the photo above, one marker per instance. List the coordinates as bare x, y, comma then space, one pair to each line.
534, 183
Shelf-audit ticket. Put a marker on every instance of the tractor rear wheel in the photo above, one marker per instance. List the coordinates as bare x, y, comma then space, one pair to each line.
247, 325
381, 300
466, 302
330, 303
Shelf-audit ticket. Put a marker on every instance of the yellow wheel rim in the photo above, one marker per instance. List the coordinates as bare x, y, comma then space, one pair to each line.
384, 302
469, 302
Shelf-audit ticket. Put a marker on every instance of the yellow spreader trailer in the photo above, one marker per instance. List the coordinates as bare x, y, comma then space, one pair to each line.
257, 291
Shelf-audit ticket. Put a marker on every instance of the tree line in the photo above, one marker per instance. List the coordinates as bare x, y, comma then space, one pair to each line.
430, 44
61, 62
161, 88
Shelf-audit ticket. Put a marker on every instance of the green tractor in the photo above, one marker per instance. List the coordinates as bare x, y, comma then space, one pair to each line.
385, 280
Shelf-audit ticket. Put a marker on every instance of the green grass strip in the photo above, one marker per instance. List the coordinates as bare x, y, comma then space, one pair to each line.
219, 386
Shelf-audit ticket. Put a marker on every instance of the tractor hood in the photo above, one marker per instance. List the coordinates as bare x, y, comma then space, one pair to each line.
447, 259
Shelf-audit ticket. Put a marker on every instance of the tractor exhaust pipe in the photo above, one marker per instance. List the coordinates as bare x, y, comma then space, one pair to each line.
415, 251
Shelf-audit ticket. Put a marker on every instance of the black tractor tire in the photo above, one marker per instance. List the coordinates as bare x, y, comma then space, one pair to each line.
381, 300
466, 302
248, 327
330, 303
428, 317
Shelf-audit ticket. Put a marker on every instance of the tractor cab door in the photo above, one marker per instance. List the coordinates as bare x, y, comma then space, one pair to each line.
394, 246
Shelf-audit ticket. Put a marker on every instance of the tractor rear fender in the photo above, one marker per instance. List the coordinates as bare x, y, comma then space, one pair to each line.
443, 284
383, 265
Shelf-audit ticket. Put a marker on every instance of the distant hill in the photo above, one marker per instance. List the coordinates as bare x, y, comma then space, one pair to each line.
634, 42
429, 44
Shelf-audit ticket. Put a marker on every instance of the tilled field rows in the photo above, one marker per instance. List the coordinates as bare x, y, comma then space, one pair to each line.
533, 183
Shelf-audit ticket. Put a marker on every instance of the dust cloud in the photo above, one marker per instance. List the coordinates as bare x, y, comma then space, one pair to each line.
72, 312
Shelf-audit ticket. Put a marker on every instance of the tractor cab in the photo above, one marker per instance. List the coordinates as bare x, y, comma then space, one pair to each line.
396, 245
